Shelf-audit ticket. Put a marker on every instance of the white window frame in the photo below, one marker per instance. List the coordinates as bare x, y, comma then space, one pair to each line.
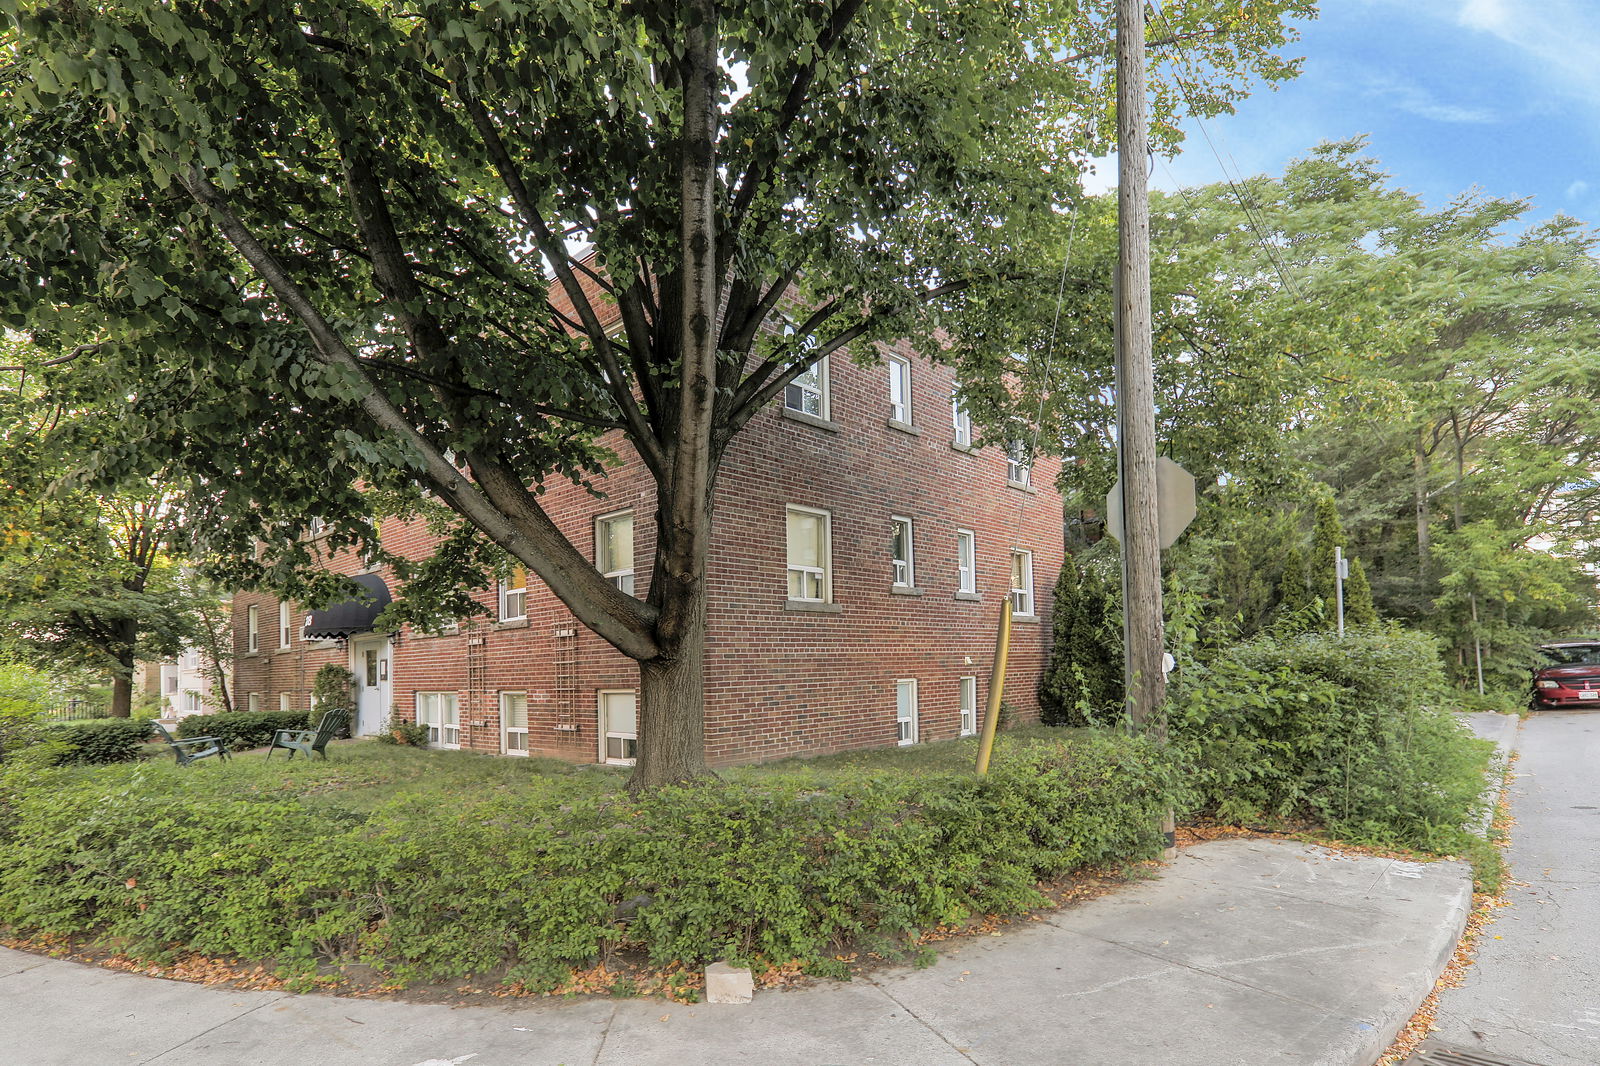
252, 702
815, 382
430, 712
960, 423
607, 734
620, 576
966, 561
1018, 470
967, 705
285, 629
825, 572
906, 727
507, 730
1022, 595
283, 702
513, 599
903, 572
899, 368
253, 629
191, 701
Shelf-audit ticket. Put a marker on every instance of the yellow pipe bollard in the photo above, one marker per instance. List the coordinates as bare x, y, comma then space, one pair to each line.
997, 687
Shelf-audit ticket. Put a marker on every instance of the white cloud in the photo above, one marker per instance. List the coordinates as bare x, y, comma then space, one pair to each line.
1577, 189
1561, 36
1415, 100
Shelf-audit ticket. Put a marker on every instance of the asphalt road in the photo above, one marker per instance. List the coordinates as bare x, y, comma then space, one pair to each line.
1534, 993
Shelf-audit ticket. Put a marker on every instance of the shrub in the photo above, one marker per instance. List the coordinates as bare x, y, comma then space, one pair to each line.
400, 731
241, 730
334, 689
100, 740
533, 882
1347, 732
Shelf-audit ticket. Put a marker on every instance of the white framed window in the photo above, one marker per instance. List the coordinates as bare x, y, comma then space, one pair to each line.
808, 392
514, 595
316, 527
613, 549
967, 704
901, 552
253, 627
1018, 469
1021, 582
960, 423
514, 723
905, 710
809, 550
283, 702
966, 561
619, 727
191, 702
253, 701
285, 631
437, 711
172, 684
899, 388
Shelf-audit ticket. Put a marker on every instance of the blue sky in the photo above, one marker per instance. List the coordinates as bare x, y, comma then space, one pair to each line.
1503, 95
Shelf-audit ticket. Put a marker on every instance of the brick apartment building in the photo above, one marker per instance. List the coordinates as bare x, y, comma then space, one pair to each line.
861, 551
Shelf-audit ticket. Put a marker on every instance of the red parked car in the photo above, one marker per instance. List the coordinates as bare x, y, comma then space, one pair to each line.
1573, 677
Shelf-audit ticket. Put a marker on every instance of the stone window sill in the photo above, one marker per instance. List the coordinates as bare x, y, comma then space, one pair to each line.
906, 590
970, 597
812, 607
1024, 618
1021, 486
904, 427
512, 623
810, 420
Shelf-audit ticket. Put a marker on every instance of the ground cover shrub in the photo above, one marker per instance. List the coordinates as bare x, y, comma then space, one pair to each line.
99, 740
1350, 732
242, 730
554, 873
334, 689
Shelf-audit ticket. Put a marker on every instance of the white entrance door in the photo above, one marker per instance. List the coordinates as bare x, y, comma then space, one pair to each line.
369, 661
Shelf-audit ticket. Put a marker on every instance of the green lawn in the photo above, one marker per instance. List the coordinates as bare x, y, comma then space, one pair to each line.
361, 775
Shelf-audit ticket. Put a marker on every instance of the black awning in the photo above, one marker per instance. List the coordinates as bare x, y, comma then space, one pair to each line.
349, 617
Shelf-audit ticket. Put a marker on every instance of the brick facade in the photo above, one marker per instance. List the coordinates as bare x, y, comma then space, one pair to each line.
781, 678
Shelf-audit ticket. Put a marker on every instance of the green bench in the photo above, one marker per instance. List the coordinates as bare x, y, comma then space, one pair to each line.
191, 749
310, 741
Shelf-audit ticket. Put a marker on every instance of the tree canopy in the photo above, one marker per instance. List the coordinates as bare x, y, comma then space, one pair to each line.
330, 250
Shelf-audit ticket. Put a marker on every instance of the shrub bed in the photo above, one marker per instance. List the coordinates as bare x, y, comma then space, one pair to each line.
532, 883
1349, 732
242, 730
99, 740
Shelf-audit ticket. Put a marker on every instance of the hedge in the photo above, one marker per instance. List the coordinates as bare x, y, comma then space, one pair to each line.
1350, 732
534, 883
99, 740
242, 730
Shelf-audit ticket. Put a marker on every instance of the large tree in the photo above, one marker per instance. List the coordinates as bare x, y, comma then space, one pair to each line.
333, 251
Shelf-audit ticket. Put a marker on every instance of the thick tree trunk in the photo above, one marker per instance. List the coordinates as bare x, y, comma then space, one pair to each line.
672, 710
121, 696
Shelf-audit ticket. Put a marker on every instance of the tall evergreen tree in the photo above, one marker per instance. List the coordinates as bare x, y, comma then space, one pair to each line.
1059, 690
1359, 609
1293, 597
1097, 649
1327, 535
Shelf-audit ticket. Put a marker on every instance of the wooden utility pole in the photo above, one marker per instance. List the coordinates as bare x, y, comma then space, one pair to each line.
1136, 411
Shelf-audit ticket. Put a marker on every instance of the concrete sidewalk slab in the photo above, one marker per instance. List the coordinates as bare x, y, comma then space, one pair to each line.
1243, 951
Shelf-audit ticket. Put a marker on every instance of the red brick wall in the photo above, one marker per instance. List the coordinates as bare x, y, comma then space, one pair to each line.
779, 681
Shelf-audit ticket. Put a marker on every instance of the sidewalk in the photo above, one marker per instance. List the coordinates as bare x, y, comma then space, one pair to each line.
1241, 953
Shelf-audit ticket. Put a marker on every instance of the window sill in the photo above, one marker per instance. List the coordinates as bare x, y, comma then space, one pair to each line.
904, 427
906, 590
970, 597
512, 623
964, 449
282, 648
1024, 618
810, 420
1021, 486
812, 607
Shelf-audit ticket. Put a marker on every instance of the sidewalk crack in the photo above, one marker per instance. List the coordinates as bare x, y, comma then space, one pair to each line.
214, 1028
890, 996
600, 1050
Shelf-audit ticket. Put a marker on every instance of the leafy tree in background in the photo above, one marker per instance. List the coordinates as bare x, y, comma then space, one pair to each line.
337, 244
1082, 682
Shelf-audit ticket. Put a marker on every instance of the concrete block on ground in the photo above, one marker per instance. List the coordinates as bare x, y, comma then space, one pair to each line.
726, 983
